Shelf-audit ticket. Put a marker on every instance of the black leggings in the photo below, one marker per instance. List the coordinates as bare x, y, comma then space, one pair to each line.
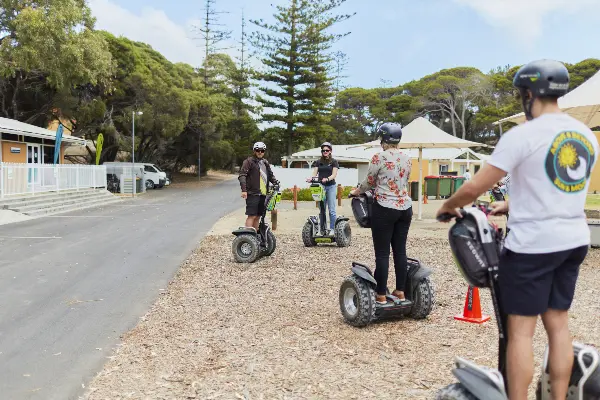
390, 226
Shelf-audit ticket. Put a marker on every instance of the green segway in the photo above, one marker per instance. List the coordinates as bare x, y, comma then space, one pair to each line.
315, 229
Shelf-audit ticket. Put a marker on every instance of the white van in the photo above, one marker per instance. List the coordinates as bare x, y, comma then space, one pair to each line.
154, 177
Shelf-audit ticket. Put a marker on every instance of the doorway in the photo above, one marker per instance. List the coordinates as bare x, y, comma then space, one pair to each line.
34, 160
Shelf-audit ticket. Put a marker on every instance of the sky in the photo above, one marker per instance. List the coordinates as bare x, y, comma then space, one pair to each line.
391, 41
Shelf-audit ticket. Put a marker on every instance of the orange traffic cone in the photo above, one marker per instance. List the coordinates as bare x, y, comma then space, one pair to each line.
472, 311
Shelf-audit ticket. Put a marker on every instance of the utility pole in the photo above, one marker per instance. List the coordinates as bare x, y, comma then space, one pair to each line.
211, 36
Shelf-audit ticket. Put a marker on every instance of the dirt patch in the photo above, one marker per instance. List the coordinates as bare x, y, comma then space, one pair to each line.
273, 330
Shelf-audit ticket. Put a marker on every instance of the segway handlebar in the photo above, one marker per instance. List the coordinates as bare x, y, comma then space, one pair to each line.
445, 217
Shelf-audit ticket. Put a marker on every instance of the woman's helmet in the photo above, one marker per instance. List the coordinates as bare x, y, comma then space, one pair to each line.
259, 146
390, 132
544, 78
327, 144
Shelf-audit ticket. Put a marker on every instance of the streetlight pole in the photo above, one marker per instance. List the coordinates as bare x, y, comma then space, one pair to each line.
133, 113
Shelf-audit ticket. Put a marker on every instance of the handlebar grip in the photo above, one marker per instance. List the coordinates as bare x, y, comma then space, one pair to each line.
445, 217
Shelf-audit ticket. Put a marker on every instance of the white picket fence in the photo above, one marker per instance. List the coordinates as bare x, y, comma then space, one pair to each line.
297, 176
20, 179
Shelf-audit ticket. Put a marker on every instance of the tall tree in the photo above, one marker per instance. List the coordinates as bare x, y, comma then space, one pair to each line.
243, 127
294, 56
211, 36
319, 57
47, 47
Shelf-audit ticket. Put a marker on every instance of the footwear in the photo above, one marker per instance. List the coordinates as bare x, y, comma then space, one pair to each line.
380, 299
397, 294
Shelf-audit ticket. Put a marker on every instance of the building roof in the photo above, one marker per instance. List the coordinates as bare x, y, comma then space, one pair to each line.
20, 128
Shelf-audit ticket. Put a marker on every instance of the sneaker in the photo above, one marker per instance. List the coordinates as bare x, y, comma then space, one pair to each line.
380, 299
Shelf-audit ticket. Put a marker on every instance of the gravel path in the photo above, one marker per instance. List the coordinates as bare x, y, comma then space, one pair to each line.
273, 330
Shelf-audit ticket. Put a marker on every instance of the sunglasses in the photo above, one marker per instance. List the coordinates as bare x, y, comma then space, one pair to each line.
259, 151
325, 151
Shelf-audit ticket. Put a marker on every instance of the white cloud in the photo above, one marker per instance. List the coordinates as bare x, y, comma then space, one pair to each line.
150, 26
524, 18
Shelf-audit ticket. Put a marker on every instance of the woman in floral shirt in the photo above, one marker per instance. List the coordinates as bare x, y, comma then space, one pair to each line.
387, 177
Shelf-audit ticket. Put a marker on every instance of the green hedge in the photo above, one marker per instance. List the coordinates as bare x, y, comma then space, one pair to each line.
304, 194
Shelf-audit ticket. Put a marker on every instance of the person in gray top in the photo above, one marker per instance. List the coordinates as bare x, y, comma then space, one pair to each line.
387, 177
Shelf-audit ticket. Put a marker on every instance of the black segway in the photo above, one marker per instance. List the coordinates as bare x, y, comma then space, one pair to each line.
357, 292
315, 229
476, 245
249, 244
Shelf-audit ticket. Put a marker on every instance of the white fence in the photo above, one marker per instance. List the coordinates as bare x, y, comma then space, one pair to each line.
297, 176
19, 179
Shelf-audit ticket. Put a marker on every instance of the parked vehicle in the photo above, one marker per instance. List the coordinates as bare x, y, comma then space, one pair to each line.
153, 176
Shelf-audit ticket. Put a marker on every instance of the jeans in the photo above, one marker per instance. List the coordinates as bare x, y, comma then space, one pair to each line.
331, 194
390, 227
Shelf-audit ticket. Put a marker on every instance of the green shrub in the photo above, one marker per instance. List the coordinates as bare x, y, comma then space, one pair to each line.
304, 194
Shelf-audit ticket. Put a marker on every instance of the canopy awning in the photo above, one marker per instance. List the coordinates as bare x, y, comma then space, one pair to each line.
15, 127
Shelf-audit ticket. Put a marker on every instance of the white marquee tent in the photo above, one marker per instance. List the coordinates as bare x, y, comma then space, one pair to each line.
582, 103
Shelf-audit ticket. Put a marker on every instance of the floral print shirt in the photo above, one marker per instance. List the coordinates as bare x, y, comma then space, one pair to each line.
388, 176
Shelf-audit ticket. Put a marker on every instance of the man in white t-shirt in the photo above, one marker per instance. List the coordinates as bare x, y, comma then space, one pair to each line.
550, 159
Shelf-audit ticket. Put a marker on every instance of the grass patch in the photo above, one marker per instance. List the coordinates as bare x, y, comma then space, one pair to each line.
593, 201
304, 194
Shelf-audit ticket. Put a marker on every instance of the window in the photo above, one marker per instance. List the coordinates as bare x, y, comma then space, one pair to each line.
10, 136
149, 168
443, 168
34, 140
48, 155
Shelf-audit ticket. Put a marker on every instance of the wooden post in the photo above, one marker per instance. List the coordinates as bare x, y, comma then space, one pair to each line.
339, 194
274, 219
437, 195
295, 191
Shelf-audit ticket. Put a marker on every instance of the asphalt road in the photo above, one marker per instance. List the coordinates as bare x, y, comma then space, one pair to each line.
70, 285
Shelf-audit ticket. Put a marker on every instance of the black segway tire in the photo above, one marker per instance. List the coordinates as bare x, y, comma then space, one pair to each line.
343, 234
245, 248
424, 299
455, 391
307, 236
363, 300
271, 244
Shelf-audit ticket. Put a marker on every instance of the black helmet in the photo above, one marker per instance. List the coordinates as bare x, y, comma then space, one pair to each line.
544, 78
327, 144
390, 132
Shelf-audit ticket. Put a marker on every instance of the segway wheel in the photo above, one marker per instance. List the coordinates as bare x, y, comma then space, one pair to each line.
456, 391
343, 234
357, 301
271, 243
307, 236
245, 248
424, 299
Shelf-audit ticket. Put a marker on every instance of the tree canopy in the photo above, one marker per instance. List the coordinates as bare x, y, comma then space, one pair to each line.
54, 64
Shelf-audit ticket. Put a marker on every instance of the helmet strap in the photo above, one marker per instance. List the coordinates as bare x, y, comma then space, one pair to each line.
527, 104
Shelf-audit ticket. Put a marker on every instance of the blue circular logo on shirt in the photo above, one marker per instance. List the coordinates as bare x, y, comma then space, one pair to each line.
569, 161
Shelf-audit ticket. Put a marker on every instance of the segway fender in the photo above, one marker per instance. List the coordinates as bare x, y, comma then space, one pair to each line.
340, 219
477, 385
421, 273
244, 231
363, 272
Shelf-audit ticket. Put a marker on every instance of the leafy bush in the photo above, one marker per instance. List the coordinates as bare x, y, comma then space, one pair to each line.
304, 194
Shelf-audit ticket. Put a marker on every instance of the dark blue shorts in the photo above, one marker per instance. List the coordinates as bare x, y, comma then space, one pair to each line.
530, 284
